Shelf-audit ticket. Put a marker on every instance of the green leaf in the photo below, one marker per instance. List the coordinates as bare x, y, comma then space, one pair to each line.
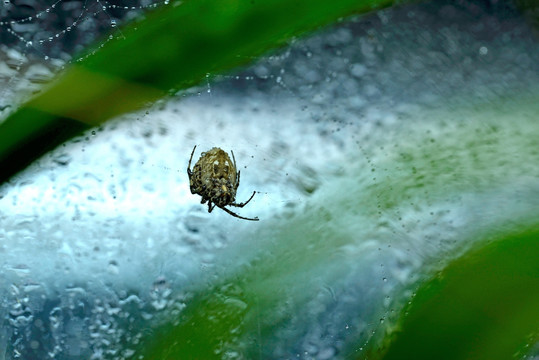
485, 305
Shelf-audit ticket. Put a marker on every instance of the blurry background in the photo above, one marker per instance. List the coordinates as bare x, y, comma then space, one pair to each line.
381, 148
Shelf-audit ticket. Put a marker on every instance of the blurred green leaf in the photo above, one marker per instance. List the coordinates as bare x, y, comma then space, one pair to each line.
485, 305
530, 9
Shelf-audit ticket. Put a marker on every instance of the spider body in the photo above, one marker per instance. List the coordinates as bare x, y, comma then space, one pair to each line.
215, 179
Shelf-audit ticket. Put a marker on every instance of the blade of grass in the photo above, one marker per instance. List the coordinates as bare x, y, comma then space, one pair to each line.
173, 48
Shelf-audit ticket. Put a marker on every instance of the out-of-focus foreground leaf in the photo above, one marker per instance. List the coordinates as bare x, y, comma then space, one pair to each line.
485, 305
530, 8
173, 48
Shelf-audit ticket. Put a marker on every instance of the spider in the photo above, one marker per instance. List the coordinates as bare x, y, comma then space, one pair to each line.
214, 178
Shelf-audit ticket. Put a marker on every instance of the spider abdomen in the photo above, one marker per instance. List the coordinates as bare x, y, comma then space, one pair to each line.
215, 178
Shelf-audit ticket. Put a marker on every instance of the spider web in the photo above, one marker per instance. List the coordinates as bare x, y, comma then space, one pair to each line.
61, 28
40, 37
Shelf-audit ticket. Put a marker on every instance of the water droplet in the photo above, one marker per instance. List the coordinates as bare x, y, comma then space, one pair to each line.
62, 159
113, 23
160, 282
159, 304
113, 267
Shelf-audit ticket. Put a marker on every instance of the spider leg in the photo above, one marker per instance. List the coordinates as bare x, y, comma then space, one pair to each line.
244, 203
210, 207
189, 172
237, 181
240, 217
233, 159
